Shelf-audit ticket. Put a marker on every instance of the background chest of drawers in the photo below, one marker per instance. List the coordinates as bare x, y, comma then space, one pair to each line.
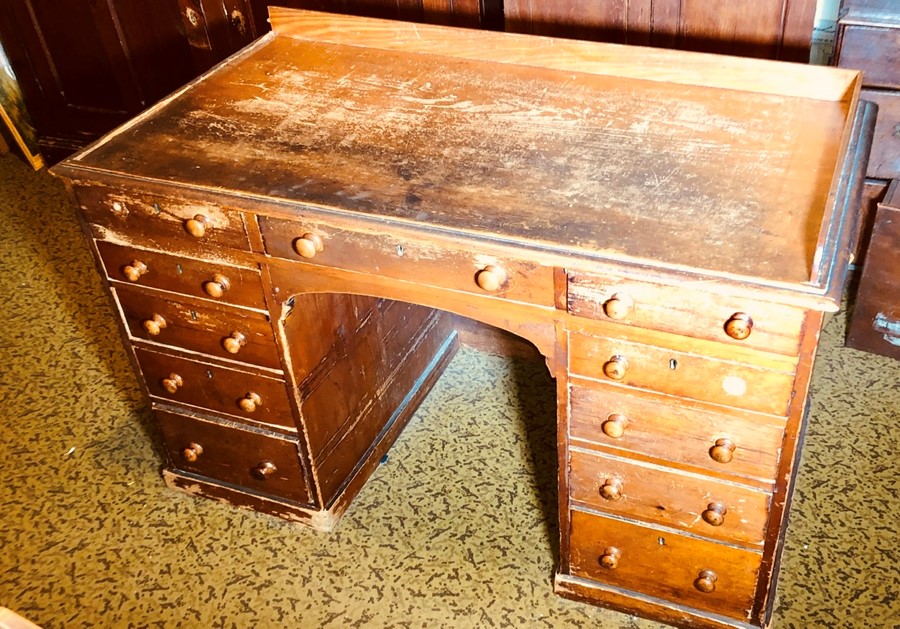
875, 325
284, 239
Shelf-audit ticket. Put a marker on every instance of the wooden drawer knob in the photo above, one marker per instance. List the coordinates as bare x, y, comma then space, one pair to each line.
197, 226
154, 324
250, 402
264, 470
610, 558
611, 489
308, 245
739, 326
490, 278
714, 515
172, 383
614, 426
217, 286
134, 271
234, 343
723, 451
192, 452
706, 581
618, 306
616, 367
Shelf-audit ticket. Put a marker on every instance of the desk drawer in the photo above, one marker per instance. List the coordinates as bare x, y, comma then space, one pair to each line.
241, 335
680, 373
263, 462
873, 49
252, 397
654, 425
419, 261
160, 222
697, 573
654, 494
207, 280
686, 311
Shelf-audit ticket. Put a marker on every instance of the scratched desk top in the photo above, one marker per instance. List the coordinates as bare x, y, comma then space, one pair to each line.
685, 160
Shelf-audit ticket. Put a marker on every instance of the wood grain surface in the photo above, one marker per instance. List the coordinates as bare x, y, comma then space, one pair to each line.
621, 166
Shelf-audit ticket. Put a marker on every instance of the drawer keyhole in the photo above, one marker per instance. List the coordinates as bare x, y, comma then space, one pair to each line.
673, 364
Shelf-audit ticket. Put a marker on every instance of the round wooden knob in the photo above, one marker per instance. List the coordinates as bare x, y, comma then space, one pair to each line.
250, 402
616, 367
264, 470
614, 426
154, 324
308, 245
610, 558
238, 21
714, 515
217, 286
172, 383
197, 226
490, 278
611, 489
723, 451
234, 343
133, 271
739, 326
192, 16
618, 306
192, 452
706, 581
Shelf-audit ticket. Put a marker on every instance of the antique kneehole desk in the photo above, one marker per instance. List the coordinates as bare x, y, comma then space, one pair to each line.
285, 237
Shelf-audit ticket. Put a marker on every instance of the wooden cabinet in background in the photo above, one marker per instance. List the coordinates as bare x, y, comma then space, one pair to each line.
868, 39
86, 67
875, 324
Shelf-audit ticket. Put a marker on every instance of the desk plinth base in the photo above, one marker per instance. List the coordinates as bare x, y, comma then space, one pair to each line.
628, 602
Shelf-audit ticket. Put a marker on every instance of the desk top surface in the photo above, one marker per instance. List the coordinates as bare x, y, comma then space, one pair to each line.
732, 174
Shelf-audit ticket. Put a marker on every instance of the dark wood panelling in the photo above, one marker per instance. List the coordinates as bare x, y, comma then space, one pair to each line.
772, 29
86, 66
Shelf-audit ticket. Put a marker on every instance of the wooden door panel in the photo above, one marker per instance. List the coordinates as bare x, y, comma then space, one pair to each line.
753, 28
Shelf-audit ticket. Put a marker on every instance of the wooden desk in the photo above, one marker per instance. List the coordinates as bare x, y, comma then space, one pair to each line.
284, 238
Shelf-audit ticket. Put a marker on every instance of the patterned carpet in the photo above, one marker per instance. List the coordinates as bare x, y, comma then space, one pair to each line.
455, 529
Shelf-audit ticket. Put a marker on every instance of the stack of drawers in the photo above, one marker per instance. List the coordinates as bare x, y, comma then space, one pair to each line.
202, 337
281, 403
680, 402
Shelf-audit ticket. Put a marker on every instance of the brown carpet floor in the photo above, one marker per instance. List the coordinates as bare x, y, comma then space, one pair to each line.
456, 529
